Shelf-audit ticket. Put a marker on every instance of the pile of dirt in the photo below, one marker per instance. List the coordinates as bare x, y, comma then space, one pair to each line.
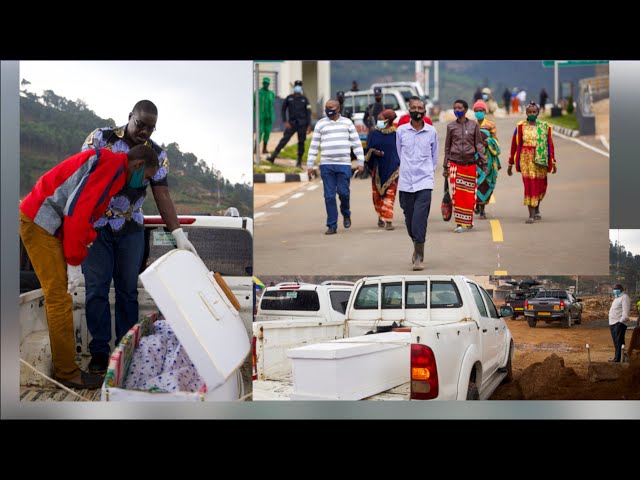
551, 380
596, 308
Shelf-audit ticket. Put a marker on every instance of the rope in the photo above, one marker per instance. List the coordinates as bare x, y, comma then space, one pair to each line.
55, 382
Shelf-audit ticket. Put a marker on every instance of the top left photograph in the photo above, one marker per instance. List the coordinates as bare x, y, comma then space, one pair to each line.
136, 230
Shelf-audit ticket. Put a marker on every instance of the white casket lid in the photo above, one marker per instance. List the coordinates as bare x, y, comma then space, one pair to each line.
352, 347
211, 332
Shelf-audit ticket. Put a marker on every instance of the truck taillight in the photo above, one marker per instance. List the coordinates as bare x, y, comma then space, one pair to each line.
424, 373
526, 304
561, 304
254, 359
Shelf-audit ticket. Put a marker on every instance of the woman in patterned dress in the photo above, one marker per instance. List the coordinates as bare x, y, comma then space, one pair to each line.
533, 154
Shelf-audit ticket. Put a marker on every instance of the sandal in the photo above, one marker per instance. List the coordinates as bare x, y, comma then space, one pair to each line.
483, 216
529, 220
389, 226
537, 216
380, 222
458, 229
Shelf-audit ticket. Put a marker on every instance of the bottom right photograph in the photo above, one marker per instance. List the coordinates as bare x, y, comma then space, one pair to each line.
449, 337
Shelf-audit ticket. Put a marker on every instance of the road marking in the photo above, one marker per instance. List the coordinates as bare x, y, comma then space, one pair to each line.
500, 272
258, 215
604, 142
493, 198
313, 187
586, 145
496, 231
297, 195
279, 204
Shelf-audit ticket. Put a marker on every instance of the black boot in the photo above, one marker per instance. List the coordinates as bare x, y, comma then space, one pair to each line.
299, 163
419, 257
264, 147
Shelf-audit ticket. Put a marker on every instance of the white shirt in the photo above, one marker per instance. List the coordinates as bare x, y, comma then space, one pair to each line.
335, 138
620, 309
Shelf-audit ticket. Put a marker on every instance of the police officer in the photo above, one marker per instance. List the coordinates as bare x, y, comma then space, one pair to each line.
345, 113
374, 109
297, 120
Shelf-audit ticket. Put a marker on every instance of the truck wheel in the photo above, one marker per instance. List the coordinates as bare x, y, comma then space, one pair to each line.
566, 321
578, 320
509, 377
532, 321
472, 392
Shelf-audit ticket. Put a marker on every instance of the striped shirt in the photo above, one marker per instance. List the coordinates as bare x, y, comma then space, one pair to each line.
335, 138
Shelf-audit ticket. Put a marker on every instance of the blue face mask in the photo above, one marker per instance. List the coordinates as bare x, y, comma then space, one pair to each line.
136, 178
485, 96
297, 89
381, 124
458, 114
617, 292
479, 115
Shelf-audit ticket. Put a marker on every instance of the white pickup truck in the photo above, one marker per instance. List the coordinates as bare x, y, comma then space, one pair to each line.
459, 344
224, 243
291, 313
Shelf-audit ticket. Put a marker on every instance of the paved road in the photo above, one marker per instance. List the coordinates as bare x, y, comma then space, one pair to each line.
572, 238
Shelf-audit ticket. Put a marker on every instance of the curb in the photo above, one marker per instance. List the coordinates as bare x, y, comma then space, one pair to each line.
280, 177
565, 131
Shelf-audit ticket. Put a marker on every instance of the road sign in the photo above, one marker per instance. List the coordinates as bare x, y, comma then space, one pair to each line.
572, 63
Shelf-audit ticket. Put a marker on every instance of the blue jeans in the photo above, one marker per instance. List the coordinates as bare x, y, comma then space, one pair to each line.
118, 257
416, 206
336, 177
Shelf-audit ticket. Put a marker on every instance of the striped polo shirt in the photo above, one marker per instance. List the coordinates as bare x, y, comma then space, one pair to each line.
335, 138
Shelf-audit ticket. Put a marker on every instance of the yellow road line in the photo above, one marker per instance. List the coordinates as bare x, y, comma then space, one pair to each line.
493, 198
500, 272
496, 230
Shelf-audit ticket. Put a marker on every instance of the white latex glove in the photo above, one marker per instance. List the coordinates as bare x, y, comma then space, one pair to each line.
74, 273
182, 242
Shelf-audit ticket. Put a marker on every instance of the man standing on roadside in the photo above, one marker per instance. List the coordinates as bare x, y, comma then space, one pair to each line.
619, 319
417, 144
267, 99
335, 135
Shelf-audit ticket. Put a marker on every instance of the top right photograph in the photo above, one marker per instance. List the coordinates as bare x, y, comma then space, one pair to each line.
442, 167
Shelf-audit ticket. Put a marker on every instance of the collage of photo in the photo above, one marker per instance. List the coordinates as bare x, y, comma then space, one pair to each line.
329, 231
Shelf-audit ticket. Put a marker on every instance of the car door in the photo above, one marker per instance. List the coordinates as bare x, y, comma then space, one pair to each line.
500, 328
487, 332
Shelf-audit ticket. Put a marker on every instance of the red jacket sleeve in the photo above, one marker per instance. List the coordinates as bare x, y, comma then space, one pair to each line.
89, 200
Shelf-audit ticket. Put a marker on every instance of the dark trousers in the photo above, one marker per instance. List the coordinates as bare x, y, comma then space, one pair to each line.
415, 206
617, 334
336, 178
116, 257
301, 129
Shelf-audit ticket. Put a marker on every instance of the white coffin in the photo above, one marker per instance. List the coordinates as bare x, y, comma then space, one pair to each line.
350, 368
205, 321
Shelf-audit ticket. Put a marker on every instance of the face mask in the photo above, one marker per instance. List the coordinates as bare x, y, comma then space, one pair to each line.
330, 113
297, 89
617, 292
416, 116
479, 115
532, 118
458, 114
136, 178
485, 96
381, 124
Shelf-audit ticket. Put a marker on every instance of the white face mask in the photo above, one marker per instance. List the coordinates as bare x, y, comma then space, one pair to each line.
381, 124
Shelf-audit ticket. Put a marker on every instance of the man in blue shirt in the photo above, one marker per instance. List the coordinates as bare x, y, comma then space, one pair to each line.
417, 144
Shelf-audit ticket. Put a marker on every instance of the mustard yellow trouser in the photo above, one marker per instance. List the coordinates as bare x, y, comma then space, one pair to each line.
47, 258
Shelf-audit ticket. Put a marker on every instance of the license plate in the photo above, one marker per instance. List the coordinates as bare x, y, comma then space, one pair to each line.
544, 314
518, 308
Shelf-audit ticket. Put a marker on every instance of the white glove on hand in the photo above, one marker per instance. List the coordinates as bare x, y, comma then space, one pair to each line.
74, 272
182, 242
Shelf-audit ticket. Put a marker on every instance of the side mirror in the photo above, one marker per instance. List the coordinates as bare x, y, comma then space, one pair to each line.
506, 311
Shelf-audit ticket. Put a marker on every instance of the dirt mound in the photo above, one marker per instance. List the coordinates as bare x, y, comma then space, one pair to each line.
551, 380
596, 308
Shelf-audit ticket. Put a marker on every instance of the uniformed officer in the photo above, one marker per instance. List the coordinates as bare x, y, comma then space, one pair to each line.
347, 113
374, 109
296, 113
